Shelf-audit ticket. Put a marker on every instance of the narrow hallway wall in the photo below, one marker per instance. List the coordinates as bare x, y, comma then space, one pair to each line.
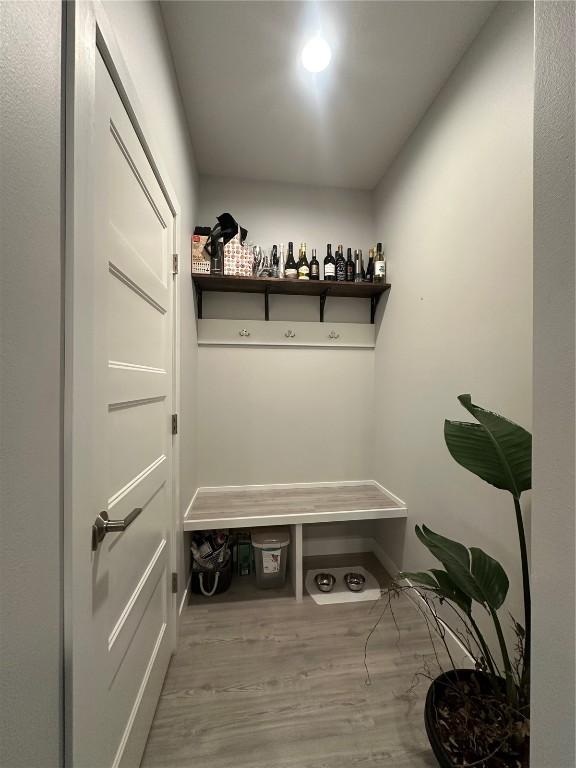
553, 711
30, 391
455, 214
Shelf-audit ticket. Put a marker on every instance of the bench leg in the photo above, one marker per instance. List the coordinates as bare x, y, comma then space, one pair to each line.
295, 564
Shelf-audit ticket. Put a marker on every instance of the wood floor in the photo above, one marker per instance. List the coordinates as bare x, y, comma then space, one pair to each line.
270, 683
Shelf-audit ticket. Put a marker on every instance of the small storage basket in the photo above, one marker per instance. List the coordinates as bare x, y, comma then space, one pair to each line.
270, 556
211, 563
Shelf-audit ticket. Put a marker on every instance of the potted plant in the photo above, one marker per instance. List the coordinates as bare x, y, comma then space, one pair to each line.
478, 717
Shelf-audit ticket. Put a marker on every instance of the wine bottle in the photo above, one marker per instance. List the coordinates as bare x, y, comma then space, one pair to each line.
379, 265
314, 266
358, 266
350, 267
291, 270
282, 261
340, 265
369, 276
303, 266
329, 264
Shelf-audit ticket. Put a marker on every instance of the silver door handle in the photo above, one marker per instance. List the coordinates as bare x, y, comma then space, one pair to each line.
103, 525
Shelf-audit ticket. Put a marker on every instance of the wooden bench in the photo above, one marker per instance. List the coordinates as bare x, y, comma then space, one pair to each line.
294, 505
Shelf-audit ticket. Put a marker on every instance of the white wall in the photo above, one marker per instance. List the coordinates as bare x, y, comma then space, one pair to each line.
553, 552
139, 30
30, 367
276, 213
455, 215
285, 415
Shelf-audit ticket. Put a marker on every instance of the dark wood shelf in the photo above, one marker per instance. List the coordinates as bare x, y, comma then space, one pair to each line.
274, 286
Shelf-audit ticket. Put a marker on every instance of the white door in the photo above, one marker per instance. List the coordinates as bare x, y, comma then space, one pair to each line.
123, 606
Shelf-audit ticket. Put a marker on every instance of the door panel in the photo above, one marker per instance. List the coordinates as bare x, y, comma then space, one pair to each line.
137, 208
127, 381
126, 262
125, 645
137, 329
127, 631
132, 682
136, 440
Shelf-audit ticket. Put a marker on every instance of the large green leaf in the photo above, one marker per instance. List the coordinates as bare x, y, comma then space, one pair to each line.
468, 571
454, 557
490, 577
450, 591
496, 450
440, 583
420, 577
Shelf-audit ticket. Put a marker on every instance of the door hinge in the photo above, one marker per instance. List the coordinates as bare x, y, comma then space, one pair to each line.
174, 583
174, 423
175, 264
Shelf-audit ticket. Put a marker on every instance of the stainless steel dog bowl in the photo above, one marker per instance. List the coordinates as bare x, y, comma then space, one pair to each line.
325, 582
355, 582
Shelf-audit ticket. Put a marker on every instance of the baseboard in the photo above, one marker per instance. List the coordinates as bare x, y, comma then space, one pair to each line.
283, 486
385, 560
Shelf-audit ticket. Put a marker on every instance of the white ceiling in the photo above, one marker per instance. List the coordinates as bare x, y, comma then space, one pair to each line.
253, 111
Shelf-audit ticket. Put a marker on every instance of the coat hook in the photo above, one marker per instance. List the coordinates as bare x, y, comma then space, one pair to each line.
244, 332
289, 334
333, 335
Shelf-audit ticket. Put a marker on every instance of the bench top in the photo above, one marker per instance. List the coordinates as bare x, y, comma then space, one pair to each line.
251, 506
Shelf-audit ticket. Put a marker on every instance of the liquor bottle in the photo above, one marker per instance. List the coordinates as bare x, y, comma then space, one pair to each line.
358, 269
282, 261
340, 265
303, 266
314, 266
329, 264
379, 265
291, 270
275, 261
369, 276
350, 267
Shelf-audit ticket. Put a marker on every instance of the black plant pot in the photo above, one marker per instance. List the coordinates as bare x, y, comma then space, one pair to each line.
434, 695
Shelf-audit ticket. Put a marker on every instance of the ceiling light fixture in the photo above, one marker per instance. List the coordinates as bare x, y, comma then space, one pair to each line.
316, 54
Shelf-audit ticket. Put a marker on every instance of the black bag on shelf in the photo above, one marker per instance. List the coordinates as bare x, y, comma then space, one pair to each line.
223, 232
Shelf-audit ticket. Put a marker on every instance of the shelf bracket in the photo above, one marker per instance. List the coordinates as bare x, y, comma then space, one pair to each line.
199, 302
373, 304
322, 304
266, 304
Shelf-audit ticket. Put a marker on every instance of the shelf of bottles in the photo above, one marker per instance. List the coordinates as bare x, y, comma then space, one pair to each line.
342, 277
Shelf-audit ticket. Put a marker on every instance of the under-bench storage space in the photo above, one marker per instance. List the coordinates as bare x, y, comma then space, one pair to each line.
297, 505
